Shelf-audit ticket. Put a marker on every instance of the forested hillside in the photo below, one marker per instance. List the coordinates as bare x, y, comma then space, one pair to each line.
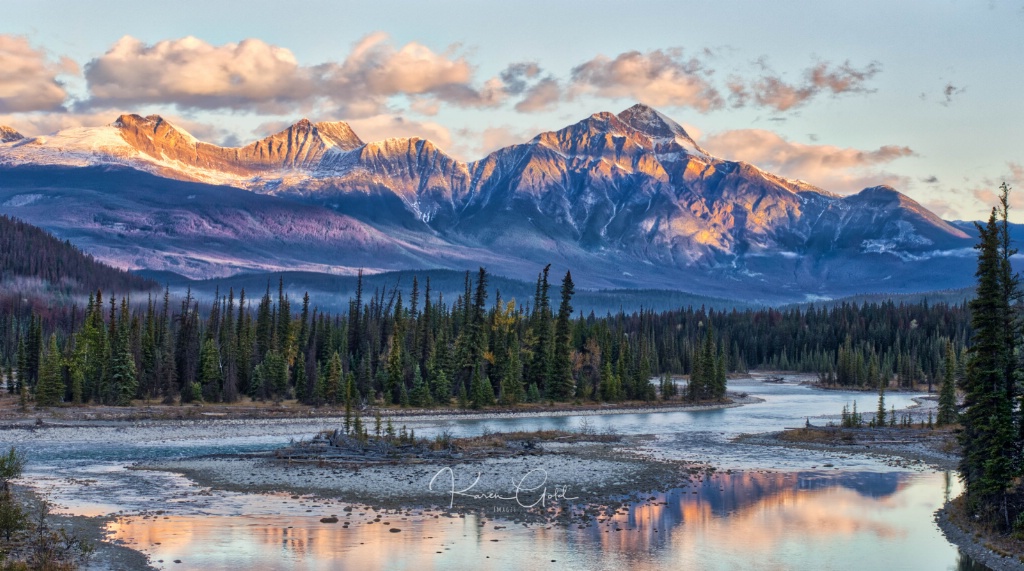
29, 254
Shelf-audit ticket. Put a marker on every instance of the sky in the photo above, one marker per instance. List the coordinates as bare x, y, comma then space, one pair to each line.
925, 96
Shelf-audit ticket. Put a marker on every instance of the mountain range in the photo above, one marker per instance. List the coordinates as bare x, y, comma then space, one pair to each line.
624, 201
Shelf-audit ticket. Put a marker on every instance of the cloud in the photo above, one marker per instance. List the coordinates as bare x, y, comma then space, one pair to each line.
380, 127
253, 75
1016, 177
833, 168
941, 207
204, 131
518, 75
538, 93
35, 124
192, 74
771, 91
988, 191
494, 138
949, 91
659, 77
28, 77
375, 69
542, 96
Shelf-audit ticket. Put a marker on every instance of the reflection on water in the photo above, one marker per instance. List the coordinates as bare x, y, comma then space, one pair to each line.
856, 513
808, 520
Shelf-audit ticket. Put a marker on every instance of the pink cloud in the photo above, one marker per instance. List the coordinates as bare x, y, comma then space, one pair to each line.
832, 168
253, 75
28, 77
658, 77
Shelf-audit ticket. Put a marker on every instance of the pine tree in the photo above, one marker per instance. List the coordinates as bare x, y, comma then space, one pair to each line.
947, 392
50, 388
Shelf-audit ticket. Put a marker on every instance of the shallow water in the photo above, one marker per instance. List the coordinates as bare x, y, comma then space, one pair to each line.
785, 510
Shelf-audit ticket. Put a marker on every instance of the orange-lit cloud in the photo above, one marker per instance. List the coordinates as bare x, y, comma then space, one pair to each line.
253, 75
658, 77
28, 77
833, 168
380, 127
191, 73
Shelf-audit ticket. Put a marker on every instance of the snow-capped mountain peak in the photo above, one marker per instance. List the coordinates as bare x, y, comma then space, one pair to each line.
8, 135
661, 129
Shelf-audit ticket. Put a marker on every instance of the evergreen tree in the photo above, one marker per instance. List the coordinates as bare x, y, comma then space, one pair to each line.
123, 379
988, 441
563, 386
50, 388
947, 392
209, 371
879, 420
540, 322
332, 382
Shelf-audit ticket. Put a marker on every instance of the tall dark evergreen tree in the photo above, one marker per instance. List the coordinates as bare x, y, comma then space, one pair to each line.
947, 392
563, 386
988, 439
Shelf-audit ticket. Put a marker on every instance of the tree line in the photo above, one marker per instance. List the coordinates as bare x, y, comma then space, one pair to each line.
412, 347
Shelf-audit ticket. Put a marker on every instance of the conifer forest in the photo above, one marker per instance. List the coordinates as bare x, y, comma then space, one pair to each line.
413, 348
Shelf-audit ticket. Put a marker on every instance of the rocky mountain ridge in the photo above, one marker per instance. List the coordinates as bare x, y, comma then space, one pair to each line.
631, 196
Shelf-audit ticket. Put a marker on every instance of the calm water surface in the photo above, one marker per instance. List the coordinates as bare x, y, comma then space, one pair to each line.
783, 509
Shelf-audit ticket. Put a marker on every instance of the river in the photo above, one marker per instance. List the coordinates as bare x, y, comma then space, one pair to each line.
767, 508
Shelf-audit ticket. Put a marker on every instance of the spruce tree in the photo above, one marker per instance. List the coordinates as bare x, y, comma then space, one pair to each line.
209, 371
563, 386
50, 388
947, 392
540, 322
123, 379
879, 420
988, 441
332, 383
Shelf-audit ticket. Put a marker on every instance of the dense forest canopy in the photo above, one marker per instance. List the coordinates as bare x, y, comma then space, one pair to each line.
415, 348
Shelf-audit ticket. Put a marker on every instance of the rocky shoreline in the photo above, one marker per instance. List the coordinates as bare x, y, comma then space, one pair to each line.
974, 545
106, 555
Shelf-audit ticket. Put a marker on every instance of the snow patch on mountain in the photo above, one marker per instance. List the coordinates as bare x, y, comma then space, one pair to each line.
22, 200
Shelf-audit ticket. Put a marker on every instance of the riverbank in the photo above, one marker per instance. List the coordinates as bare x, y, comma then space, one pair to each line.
98, 415
104, 555
898, 447
997, 552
